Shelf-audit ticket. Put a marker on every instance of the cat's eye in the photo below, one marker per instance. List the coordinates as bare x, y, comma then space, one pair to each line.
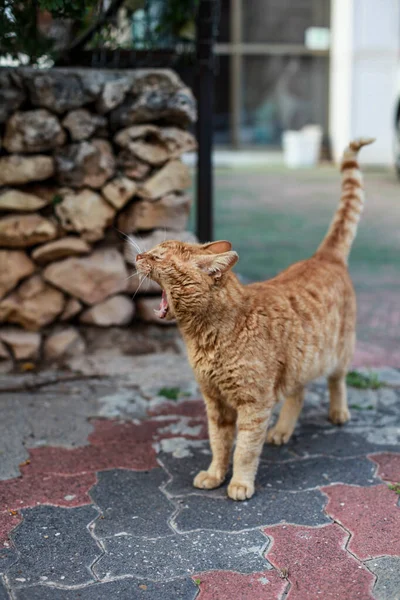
157, 257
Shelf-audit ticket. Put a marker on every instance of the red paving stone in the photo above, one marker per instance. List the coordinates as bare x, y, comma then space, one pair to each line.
388, 466
227, 585
318, 565
30, 491
137, 456
375, 354
370, 514
8, 522
187, 408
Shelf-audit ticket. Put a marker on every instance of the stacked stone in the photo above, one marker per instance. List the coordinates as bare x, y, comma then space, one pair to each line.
86, 156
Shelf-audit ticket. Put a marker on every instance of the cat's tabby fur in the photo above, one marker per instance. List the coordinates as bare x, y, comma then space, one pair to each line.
253, 345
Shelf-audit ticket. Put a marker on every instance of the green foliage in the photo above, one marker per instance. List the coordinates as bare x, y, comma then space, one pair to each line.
395, 487
20, 34
170, 393
363, 381
197, 581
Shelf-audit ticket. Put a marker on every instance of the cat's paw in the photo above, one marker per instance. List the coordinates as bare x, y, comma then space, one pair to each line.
206, 481
339, 416
278, 436
240, 490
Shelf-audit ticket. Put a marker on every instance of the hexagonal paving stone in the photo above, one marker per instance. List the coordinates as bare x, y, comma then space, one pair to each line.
47, 542
132, 502
181, 555
265, 507
317, 564
387, 570
125, 589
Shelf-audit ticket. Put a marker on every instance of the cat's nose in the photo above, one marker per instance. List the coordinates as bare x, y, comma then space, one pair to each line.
139, 257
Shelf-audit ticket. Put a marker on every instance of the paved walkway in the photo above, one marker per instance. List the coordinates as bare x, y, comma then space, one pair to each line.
96, 500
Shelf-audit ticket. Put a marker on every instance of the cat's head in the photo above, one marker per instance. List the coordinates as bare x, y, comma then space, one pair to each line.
189, 274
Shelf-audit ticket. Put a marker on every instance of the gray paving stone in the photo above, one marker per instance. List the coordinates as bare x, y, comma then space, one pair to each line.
266, 507
182, 555
4, 594
293, 475
131, 502
55, 547
8, 556
387, 570
310, 473
312, 440
125, 589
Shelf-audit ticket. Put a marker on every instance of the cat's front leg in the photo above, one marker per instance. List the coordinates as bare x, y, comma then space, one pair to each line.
252, 423
221, 431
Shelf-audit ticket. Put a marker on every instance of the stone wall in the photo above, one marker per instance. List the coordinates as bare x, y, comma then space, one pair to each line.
87, 158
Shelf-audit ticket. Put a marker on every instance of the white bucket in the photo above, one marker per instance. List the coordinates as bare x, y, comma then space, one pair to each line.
302, 148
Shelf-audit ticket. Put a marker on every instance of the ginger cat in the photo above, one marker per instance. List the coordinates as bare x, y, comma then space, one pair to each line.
251, 346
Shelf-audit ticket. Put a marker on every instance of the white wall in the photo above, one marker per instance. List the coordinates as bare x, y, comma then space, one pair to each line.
364, 75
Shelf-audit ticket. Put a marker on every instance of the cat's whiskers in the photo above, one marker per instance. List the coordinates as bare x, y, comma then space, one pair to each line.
144, 277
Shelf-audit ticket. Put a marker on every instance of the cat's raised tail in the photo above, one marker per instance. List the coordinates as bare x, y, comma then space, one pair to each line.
343, 227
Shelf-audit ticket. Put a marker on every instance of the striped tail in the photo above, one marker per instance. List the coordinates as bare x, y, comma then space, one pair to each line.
343, 227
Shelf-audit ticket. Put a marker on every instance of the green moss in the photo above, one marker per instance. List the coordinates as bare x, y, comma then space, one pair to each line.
363, 381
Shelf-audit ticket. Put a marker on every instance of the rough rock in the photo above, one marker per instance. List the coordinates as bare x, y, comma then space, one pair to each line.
23, 344
59, 91
86, 213
119, 191
145, 308
171, 212
47, 191
83, 124
4, 353
132, 166
92, 279
15, 200
112, 95
156, 95
149, 241
72, 308
67, 246
64, 343
85, 164
12, 94
19, 231
154, 154
23, 169
117, 310
14, 266
173, 177
174, 140
33, 131
33, 305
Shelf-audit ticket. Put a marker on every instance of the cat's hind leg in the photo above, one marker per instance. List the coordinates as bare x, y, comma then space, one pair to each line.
290, 411
338, 409
221, 431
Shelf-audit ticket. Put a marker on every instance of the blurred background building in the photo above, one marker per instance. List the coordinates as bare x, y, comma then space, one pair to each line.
283, 64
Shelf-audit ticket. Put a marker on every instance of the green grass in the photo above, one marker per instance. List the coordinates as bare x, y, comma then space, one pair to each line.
363, 381
172, 393
395, 487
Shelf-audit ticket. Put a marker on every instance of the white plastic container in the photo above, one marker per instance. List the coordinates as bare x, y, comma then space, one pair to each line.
302, 148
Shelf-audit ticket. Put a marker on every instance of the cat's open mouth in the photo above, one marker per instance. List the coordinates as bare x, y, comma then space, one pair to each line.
162, 311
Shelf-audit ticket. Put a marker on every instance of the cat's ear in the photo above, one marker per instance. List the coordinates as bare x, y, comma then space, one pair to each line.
218, 247
217, 264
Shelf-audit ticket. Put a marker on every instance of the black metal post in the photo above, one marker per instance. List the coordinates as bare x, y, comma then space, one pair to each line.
206, 27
